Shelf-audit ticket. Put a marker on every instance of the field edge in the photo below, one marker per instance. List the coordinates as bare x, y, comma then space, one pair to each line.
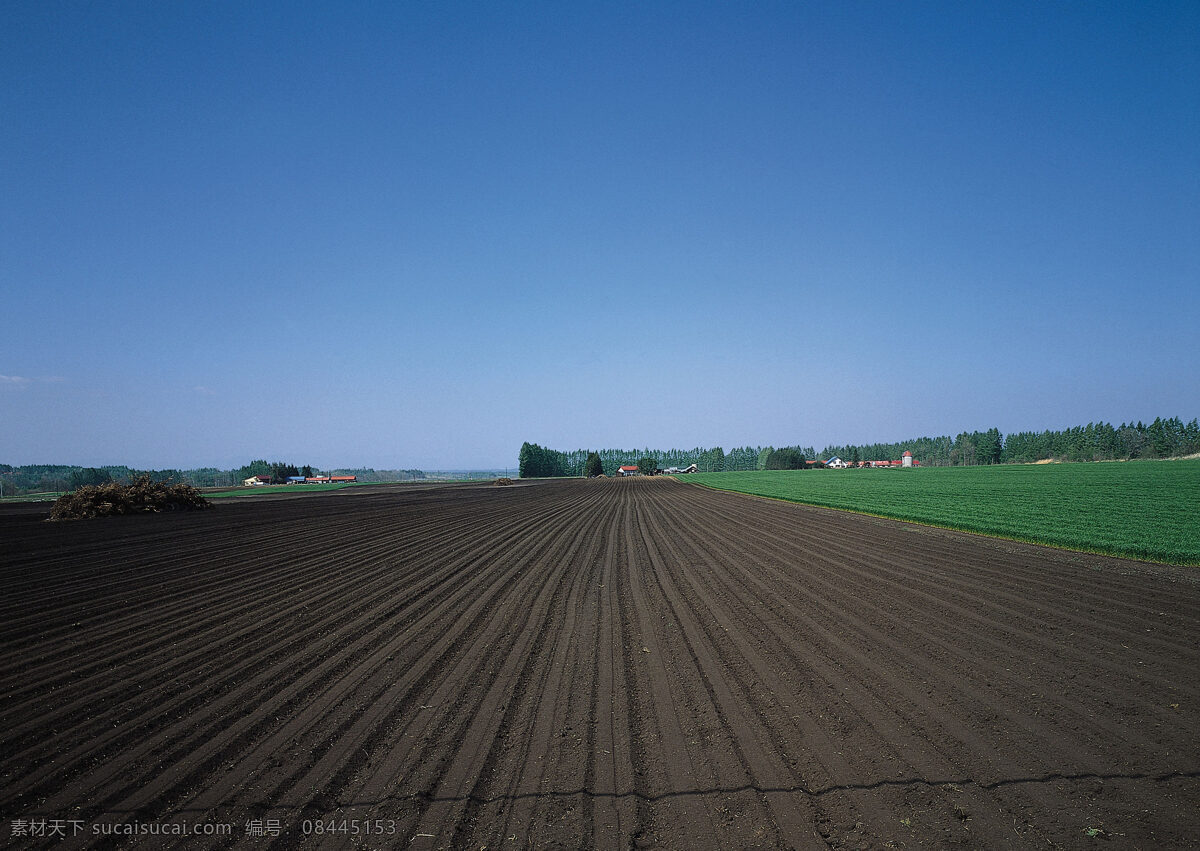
1099, 551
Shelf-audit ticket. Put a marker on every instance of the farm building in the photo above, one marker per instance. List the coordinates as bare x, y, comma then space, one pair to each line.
627, 470
836, 463
906, 460
254, 481
671, 471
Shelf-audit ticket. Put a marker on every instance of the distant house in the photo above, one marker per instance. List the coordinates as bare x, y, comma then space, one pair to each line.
692, 468
836, 463
292, 480
906, 460
255, 481
343, 479
627, 470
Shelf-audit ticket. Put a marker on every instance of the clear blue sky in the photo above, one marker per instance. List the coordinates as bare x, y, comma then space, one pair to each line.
416, 235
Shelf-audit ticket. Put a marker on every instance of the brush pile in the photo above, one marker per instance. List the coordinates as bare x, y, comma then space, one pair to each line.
504, 480
138, 497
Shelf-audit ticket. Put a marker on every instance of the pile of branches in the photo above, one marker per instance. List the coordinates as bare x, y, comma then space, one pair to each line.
504, 480
140, 496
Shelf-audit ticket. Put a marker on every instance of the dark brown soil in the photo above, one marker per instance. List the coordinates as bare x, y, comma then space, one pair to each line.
604, 664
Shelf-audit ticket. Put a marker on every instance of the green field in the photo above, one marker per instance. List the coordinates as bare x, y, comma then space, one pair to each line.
41, 496
283, 489
1137, 509
317, 488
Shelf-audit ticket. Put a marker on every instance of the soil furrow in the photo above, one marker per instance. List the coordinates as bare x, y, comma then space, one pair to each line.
602, 664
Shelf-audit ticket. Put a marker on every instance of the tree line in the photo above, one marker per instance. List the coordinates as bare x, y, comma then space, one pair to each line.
536, 461
1163, 438
56, 478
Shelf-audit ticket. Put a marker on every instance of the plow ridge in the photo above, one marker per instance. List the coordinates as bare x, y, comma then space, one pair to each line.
601, 664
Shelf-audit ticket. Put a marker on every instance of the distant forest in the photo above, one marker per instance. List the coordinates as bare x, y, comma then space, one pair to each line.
538, 461
40, 478
1163, 438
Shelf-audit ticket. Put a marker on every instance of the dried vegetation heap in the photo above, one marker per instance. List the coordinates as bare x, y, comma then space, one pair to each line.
142, 495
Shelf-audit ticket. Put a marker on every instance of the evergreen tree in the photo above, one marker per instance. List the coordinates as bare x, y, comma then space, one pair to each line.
88, 476
525, 464
789, 458
988, 446
538, 462
254, 468
281, 471
592, 467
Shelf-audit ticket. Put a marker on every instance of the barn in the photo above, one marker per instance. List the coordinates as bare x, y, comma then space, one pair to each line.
627, 470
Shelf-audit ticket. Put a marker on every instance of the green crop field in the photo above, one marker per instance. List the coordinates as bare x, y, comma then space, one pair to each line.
1137, 509
282, 489
42, 496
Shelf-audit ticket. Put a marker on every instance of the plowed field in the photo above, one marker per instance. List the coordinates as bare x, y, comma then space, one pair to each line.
604, 664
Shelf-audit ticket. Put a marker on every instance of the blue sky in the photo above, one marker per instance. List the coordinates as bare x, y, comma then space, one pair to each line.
416, 235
